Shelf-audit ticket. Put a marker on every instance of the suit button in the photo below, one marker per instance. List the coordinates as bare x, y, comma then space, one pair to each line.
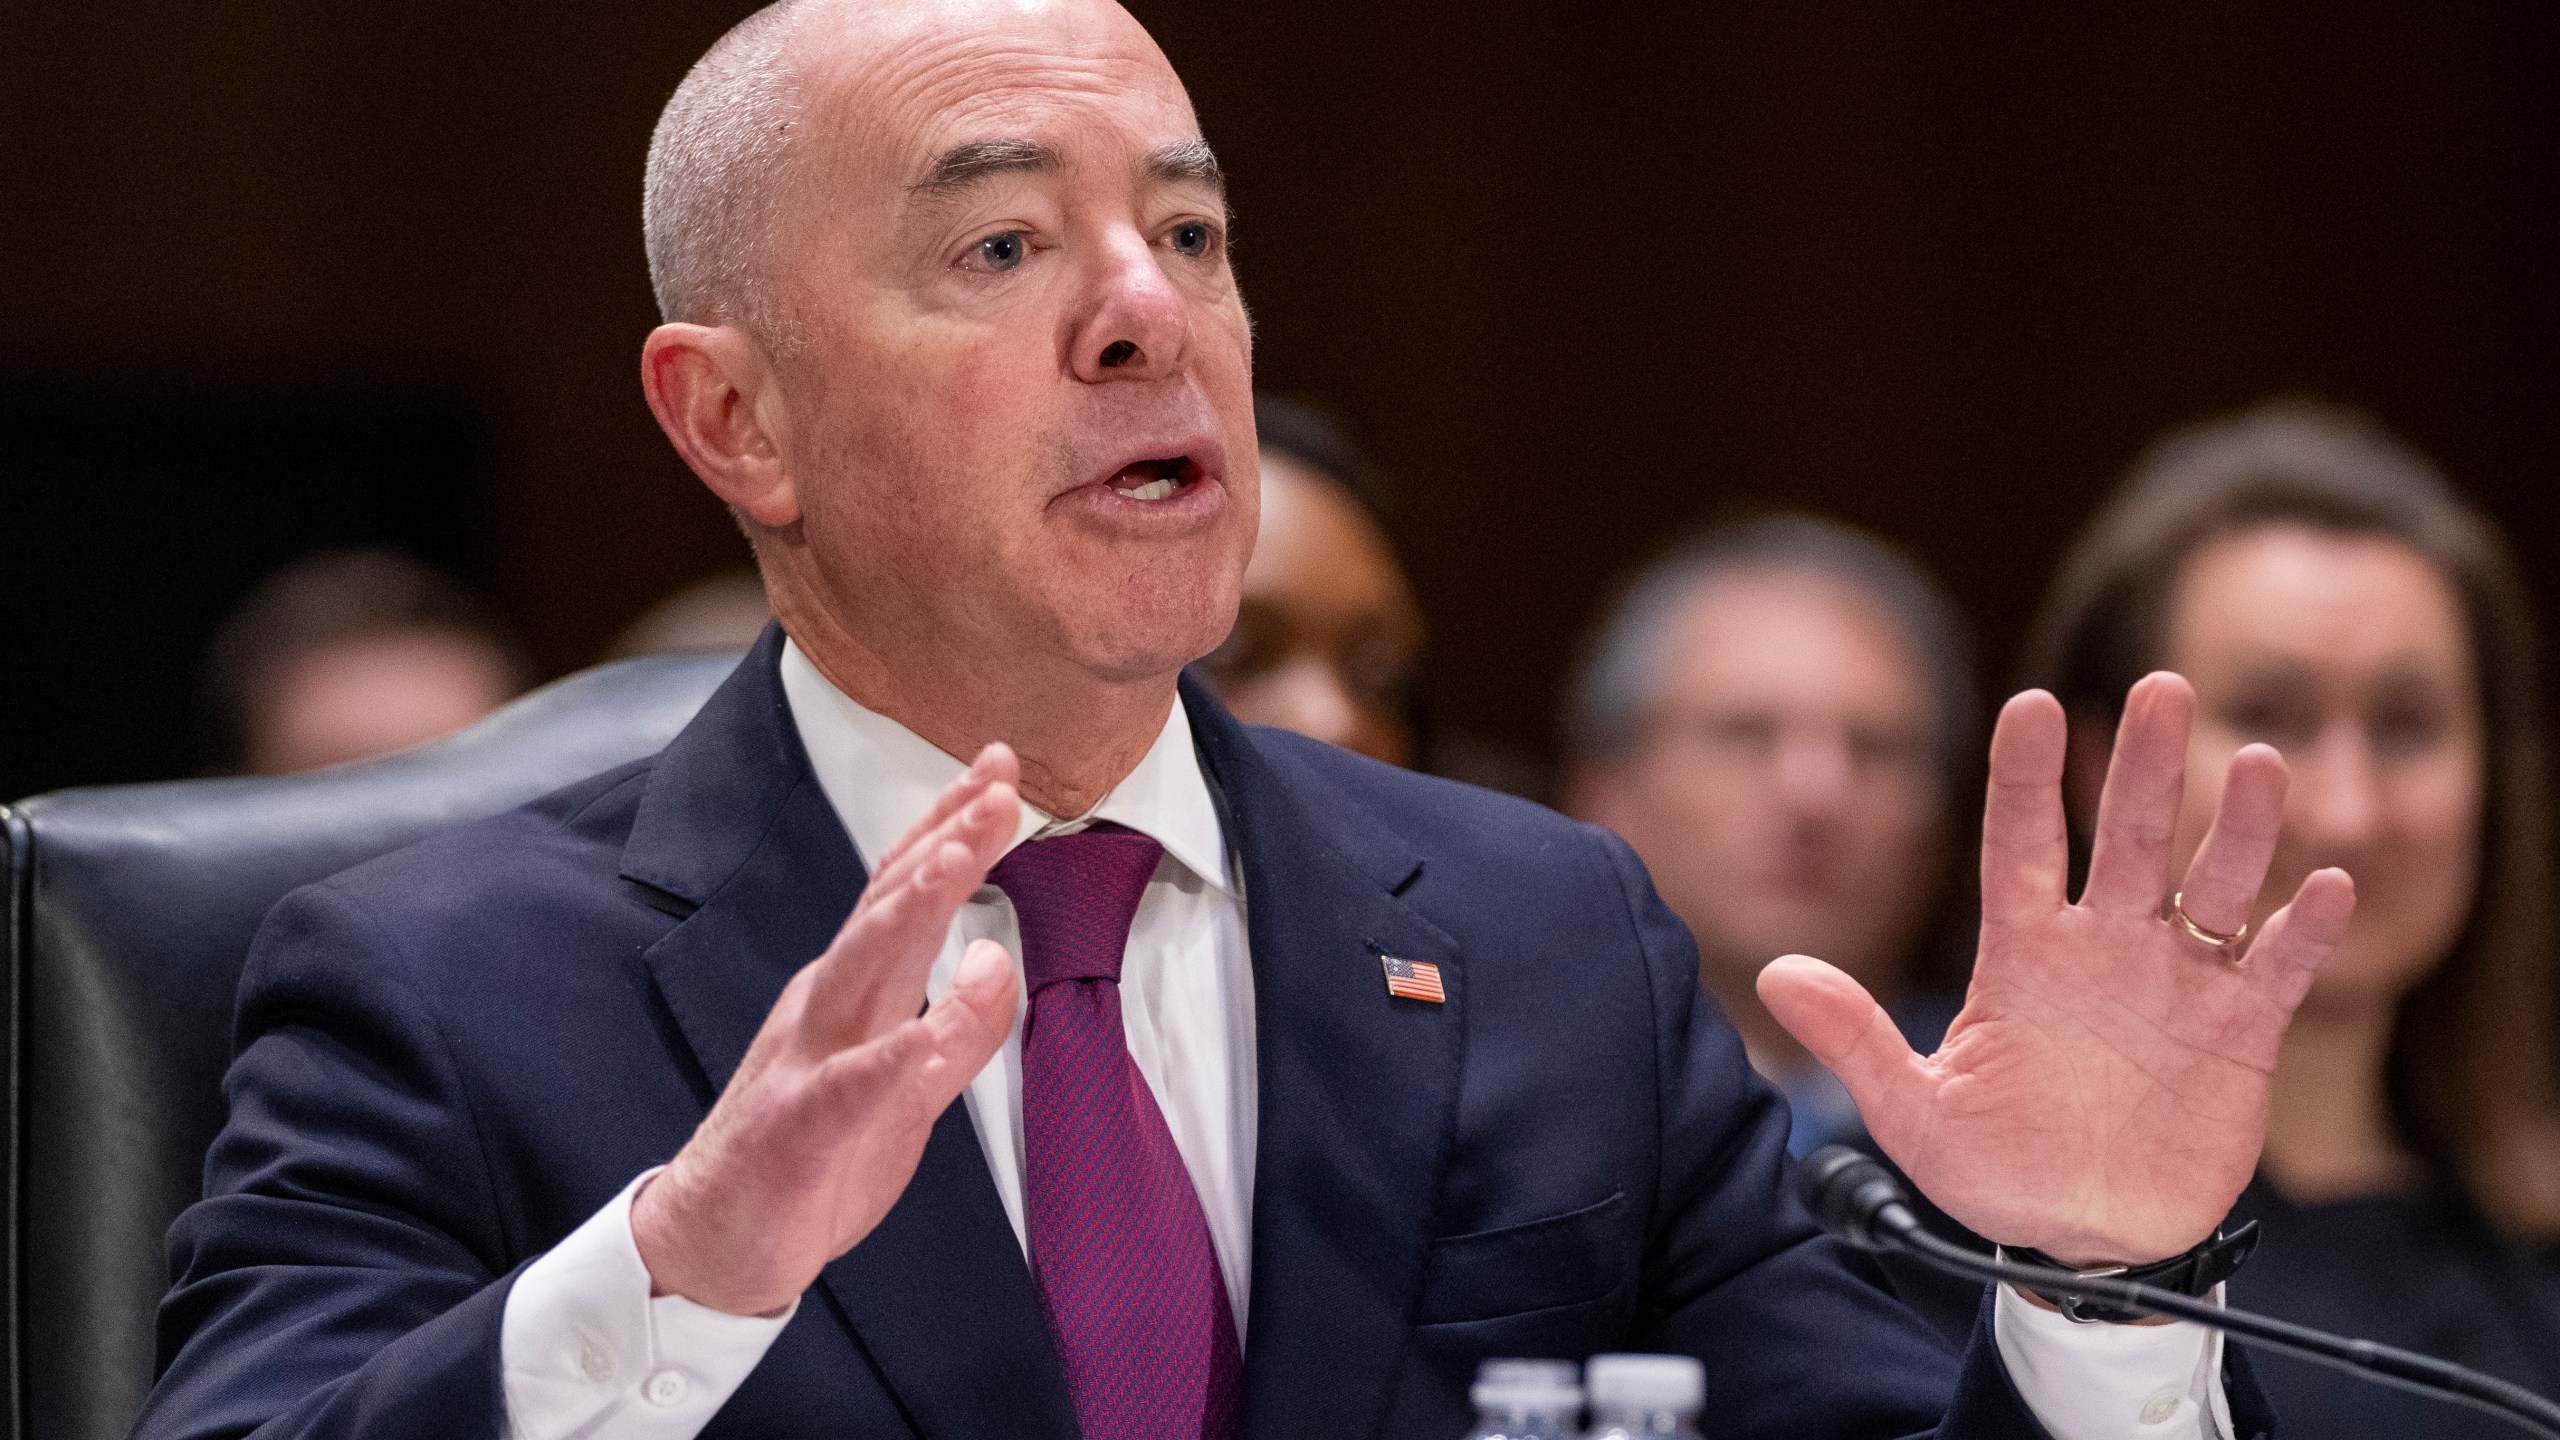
666, 1388
594, 1363
2162, 1408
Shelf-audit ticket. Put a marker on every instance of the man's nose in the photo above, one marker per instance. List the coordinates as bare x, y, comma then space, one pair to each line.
2337, 797
1136, 325
1813, 769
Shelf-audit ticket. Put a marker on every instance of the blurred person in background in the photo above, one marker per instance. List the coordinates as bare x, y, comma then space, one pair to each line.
2326, 593
724, 612
1772, 715
1328, 640
351, 654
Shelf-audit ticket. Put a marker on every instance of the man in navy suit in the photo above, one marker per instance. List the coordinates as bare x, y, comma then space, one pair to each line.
1168, 1077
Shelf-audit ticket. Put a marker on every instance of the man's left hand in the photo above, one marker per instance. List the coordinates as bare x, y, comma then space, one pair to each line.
2103, 1095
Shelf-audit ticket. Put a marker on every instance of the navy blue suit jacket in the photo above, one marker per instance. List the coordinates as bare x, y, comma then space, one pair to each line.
450, 1057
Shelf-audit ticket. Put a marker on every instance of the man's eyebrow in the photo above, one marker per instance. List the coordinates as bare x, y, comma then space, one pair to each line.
1187, 162
964, 165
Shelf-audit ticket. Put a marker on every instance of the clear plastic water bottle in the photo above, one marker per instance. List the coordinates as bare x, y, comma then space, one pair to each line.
1526, 1400
1636, 1397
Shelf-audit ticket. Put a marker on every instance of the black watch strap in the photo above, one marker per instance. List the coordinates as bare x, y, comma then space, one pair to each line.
2194, 1273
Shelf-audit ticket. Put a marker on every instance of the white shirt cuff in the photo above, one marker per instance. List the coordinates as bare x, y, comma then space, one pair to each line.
2113, 1382
586, 1351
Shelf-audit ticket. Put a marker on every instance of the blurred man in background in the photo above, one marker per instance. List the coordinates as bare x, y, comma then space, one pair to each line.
1770, 717
1328, 640
351, 654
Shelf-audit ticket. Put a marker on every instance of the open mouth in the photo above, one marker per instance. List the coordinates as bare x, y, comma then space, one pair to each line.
1156, 479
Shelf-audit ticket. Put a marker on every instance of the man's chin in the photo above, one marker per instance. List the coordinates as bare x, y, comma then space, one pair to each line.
1143, 647
1154, 630
1139, 664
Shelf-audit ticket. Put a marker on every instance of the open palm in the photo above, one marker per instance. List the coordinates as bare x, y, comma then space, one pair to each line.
2103, 1094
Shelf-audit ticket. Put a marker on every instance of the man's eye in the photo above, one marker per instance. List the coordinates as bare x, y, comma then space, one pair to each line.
1003, 250
1192, 238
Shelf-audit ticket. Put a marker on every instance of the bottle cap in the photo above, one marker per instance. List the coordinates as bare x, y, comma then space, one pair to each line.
1526, 1385
1676, 1383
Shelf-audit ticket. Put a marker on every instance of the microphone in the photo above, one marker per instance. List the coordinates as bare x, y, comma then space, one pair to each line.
1861, 1202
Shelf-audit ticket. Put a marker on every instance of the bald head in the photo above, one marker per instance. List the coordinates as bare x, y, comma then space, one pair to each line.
715, 173
720, 164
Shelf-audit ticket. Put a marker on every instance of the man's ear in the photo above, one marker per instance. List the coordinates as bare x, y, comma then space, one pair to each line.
715, 395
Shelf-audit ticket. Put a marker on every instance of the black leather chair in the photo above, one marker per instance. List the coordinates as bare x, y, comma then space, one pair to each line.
129, 912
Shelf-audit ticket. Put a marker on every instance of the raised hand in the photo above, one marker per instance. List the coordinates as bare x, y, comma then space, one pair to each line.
2103, 1094
821, 1128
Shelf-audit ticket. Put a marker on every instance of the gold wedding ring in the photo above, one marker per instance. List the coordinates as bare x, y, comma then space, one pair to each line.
2214, 938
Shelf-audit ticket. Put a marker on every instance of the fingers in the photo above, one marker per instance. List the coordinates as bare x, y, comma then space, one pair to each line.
2221, 886
2026, 851
969, 1023
1833, 1016
2138, 810
925, 1063
914, 915
873, 975
2301, 937
995, 765
979, 813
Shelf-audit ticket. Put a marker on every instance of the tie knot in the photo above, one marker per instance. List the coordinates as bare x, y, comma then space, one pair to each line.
1075, 896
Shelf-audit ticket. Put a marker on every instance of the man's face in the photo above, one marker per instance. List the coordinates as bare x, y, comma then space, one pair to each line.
1016, 373
1784, 792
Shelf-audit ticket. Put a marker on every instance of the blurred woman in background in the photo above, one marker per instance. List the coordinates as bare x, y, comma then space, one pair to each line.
1328, 640
2326, 593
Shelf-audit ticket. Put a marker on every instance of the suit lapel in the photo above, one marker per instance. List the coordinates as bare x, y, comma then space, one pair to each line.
1358, 1090
735, 826
944, 1303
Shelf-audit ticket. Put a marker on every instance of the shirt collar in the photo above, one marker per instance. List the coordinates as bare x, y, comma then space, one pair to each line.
882, 777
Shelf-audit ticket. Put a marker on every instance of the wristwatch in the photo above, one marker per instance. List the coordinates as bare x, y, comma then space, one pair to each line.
2194, 1274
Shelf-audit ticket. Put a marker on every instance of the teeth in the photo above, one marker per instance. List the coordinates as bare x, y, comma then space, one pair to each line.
1152, 490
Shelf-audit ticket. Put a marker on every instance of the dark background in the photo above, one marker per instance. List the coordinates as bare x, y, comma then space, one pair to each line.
278, 273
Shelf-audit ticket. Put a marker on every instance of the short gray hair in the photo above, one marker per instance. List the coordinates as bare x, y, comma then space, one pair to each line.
1621, 670
712, 193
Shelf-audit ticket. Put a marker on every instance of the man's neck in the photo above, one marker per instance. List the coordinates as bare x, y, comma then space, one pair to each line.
1076, 737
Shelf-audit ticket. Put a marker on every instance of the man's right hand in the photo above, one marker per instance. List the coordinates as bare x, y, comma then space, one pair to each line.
821, 1128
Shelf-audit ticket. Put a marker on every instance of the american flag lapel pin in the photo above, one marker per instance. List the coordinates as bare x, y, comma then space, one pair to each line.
1414, 979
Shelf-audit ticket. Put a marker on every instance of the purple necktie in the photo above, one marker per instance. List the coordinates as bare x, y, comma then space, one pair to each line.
1119, 1247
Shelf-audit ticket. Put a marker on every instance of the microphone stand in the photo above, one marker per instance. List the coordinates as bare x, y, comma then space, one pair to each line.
1859, 1201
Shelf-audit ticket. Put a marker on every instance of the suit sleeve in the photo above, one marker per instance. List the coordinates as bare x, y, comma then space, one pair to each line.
1731, 1250
343, 1274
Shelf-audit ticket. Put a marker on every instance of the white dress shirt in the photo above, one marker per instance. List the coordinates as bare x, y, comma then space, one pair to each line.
587, 1352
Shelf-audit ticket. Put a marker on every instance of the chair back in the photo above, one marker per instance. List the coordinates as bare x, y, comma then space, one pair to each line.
129, 913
